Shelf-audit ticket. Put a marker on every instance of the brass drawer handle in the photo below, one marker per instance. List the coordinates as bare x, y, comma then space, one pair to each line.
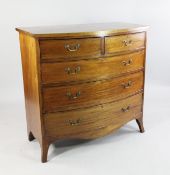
127, 63
127, 85
72, 48
72, 71
126, 109
127, 42
74, 122
71, 96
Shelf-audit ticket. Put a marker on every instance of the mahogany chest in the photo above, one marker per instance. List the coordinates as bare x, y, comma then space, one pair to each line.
82, 81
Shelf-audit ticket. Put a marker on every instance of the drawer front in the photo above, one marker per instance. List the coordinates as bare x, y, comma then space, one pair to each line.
88, 70
64, 49
124, 43
90, 94
89, 122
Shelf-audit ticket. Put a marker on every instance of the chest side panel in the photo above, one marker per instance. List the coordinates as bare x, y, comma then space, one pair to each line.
29, 54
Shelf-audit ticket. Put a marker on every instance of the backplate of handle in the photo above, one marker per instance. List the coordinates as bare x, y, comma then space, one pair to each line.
72, 70
127, 63
72, 96
74, 122
72, 47
127, 42
126, 109
127, 85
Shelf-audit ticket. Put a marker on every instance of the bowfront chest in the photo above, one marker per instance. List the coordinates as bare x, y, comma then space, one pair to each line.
82, 81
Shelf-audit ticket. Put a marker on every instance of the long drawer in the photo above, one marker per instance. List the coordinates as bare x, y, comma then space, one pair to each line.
85, 122
124, 43
70, 48
88, 70
90, 94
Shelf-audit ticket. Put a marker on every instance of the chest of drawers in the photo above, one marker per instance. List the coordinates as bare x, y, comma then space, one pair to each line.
82, 81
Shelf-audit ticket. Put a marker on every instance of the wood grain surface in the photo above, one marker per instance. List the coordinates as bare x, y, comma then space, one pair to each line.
82, 81
56, 98
82, 30
82, 122
91, 70
30, 64
124, 43
64, 49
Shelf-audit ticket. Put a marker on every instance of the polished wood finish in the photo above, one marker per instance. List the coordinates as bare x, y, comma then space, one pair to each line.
82, 30
64, 49
140, 124
82, 81
89, 69
71, 124
124, 43
30, 66
56, 98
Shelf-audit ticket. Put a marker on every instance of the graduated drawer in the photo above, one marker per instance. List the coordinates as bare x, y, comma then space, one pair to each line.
90, 94
88, 70
70, 48
124, 43
94, 121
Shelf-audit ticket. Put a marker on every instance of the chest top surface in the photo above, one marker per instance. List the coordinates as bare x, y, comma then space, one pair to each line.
95, 29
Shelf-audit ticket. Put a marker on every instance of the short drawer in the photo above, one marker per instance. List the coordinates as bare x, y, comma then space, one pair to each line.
90, 94
102, 119
90, 70
124, 43
70, 48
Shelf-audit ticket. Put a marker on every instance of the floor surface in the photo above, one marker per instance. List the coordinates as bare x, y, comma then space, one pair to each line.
125, 152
